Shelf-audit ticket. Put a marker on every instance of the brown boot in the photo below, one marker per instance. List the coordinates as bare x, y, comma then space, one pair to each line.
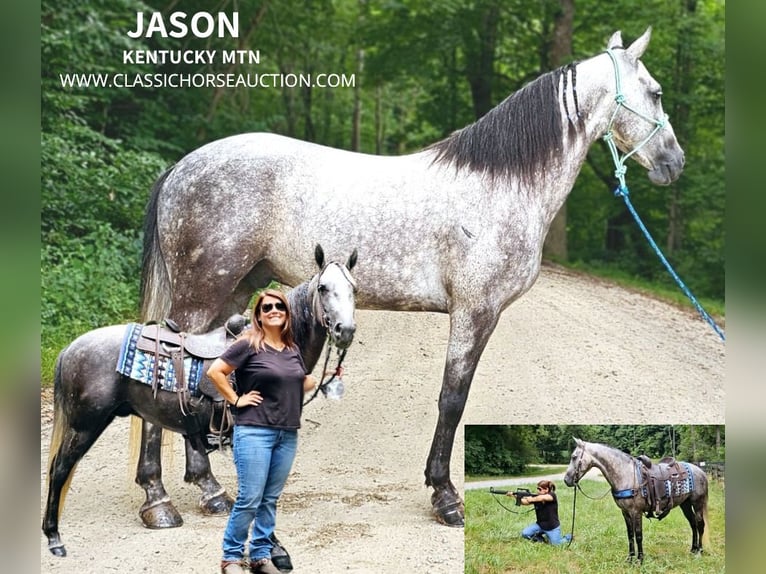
233, 567
264, 566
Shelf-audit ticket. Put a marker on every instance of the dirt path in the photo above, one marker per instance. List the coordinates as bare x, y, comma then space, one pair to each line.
590, 351
558, 478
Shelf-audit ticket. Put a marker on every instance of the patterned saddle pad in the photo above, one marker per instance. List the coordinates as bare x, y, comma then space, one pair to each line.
139, 365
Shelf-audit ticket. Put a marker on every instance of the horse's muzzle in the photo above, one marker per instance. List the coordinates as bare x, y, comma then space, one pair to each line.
343, 334
666, 172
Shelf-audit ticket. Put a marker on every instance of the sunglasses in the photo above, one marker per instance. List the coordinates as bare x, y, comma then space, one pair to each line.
267, 307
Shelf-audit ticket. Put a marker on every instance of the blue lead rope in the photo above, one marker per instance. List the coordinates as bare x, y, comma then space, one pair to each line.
622, 191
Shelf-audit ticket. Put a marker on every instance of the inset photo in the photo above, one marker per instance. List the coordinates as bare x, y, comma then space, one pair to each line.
594, 498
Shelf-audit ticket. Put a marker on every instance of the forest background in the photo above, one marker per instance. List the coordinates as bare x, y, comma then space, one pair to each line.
422, 69
501, 450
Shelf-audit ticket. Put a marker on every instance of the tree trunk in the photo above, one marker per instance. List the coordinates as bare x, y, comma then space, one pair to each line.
480, 71
356, 114
559, 52
684, 84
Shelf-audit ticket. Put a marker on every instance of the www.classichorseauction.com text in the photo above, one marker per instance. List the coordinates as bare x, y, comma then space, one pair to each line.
200, 25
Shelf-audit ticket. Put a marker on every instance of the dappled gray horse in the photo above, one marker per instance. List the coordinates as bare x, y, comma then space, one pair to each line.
631, 480
456, 228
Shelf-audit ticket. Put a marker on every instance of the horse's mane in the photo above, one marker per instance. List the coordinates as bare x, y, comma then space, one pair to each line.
612, 449
300, 312
518, 136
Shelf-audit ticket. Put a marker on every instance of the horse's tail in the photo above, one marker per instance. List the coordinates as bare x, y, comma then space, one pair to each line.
155, 283
60, 426
705, 533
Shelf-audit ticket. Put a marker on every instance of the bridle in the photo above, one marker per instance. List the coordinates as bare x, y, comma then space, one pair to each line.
317, 305
619, 98
578, 473
319, 310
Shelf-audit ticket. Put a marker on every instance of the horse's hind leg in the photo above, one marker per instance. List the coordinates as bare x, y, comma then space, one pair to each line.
696, 523
214, 499
73, 446
157, 511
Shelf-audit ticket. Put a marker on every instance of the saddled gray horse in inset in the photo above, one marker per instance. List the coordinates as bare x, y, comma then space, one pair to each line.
632, 491
456, 228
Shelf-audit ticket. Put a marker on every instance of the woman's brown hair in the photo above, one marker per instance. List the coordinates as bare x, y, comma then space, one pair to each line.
255, 333
547, 484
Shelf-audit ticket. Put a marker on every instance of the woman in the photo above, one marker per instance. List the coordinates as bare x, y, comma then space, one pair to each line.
547, 514
270, 382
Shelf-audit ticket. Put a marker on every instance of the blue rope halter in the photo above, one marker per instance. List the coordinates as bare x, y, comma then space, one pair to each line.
622, 189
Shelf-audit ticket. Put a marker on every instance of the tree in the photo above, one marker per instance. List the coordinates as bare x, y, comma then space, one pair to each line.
497, 450
559, 52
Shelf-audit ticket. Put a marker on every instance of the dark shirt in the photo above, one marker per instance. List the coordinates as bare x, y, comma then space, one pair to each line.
547, 513
277, 375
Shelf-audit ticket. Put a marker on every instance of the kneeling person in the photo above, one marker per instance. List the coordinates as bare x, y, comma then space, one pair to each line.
547, 524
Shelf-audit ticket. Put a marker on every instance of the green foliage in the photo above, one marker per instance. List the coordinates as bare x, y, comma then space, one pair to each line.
493, 543
87, 282
497, 450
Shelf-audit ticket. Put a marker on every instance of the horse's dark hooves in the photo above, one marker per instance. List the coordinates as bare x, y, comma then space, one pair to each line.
448, 510
219, 504
162, 515
58, 551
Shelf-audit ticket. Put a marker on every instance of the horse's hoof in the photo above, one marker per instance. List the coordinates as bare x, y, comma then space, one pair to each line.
218, 504
448, 511
58, 551
162, 515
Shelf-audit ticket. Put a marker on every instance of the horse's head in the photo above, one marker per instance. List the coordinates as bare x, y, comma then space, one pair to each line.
579, 463
639, 127
333, 290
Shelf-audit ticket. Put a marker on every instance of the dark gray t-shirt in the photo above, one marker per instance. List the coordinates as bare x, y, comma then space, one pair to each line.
277, 375
547, 513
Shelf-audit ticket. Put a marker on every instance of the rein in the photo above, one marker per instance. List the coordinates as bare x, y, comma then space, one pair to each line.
227, 422
495, 496
622, 189
322, 383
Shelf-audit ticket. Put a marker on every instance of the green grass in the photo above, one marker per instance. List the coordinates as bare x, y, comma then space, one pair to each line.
493, 544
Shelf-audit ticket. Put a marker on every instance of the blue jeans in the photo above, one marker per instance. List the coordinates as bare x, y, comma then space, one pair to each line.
263, 458
554, 536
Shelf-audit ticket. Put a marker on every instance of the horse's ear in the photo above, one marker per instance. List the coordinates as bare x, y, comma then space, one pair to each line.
578, 442
319, 255
351, 260
615, 41
637, 48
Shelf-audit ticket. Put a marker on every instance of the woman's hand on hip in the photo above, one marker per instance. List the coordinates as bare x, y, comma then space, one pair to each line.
251, 399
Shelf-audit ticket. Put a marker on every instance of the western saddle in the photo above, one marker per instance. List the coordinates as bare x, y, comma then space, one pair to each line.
170, 343
664, 482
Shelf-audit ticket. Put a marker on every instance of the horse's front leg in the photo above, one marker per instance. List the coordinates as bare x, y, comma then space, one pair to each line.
638, 527
469, 333
214, 499
157, 511
629, 526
